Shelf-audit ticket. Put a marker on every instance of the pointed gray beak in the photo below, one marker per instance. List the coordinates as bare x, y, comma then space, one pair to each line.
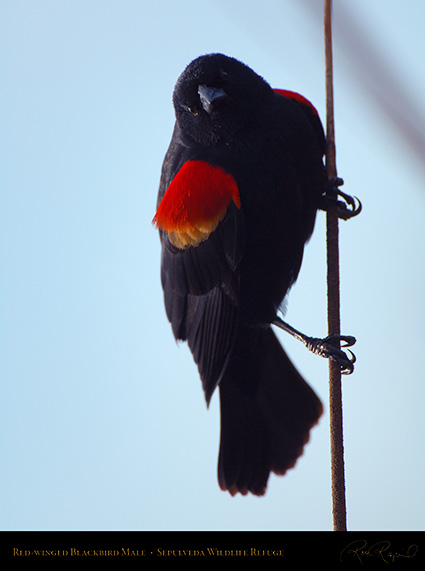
210, 96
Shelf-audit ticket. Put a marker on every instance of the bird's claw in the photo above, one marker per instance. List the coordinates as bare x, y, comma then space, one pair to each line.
329, 347
348, 207
326, 348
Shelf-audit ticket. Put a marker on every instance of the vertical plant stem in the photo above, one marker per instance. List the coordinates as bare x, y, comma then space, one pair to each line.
333, 286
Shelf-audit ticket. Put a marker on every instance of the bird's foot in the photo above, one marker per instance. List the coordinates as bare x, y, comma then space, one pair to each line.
329, 347
348, 207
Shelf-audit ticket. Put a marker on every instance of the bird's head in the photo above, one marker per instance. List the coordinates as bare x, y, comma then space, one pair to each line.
216, 96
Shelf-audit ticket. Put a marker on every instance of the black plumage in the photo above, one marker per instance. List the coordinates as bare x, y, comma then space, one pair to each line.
222, 294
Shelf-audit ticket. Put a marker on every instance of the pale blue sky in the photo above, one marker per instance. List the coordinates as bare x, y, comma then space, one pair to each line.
104, 425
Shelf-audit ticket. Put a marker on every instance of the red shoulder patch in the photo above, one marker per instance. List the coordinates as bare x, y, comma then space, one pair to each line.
195, 203
297, 97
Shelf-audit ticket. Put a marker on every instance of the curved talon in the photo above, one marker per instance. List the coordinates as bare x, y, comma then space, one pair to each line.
349, 340
354, 203
324, 348
346, 363
348, 207
350, 365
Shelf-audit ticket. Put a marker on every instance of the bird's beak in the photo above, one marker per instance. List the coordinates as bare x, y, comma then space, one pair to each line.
210, 96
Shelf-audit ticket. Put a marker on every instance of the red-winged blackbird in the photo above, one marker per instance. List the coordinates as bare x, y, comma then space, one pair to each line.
241, 183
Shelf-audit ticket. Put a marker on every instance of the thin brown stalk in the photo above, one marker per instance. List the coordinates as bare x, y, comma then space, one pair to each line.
333, 285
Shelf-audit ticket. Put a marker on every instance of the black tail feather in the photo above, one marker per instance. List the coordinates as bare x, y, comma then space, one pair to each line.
267, 411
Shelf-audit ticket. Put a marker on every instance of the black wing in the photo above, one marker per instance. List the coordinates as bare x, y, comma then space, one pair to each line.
201, 284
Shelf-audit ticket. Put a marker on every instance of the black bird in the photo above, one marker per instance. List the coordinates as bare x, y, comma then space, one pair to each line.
241, 184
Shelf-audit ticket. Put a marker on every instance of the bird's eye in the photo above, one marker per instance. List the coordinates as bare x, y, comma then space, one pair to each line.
224, 75
191, 109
